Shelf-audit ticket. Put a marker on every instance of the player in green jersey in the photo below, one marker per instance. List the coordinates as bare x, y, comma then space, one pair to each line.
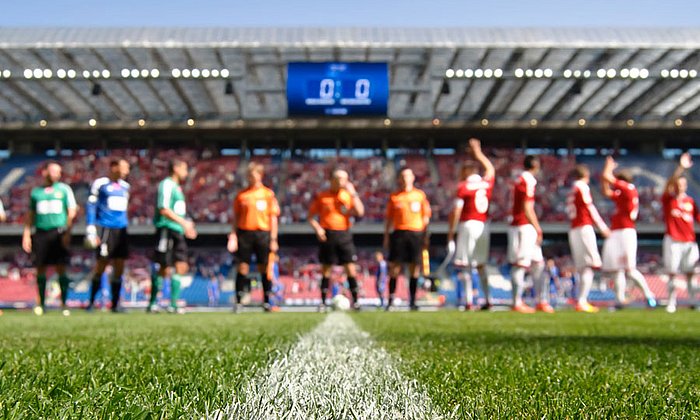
172, 228
52, 210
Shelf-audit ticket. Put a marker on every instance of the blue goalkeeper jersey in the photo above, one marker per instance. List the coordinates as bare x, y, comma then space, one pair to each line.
108, 204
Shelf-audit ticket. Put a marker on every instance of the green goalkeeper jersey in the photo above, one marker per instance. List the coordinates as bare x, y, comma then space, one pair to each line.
50, 205
170, 196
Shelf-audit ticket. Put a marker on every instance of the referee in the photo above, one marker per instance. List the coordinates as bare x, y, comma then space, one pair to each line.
254, 231
334, 208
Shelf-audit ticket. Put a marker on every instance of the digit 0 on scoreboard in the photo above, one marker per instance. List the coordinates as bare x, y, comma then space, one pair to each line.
337, 89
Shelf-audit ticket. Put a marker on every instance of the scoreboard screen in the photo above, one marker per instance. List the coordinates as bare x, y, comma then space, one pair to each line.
337, 89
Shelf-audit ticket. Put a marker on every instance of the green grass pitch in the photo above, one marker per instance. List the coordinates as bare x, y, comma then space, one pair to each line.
629, 364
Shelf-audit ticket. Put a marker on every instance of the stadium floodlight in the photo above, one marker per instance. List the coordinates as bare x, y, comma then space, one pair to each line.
568, 73
539, 73
28, 73
106, 74
450, 73
142, 122
175, 73
611, 73
601, 73
693, 73
498, 73
664, 73
488, 73
38, 73
155, 73
581, 122
190, 122
436, 122
586, 74
548, 73
577, 74
135, 73
468, 73
683, 74
6, 74
145, 73
459, 73
215, 73
196, 73
678, 122
86, 74
125, 73
224, 73
643, 73
533, 122
61, 73
92, 122
625, 73
479, 73
529, 72
72, 74
518, 72
48, 74
387, 122
96, 74
674, 73
630, 122
186, 73
484, 122
206, 73
43, 123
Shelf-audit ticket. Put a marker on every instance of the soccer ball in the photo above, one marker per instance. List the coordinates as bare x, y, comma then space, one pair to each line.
340, 303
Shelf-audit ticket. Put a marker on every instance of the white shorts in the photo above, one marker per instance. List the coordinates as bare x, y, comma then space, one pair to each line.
584, 248
620, 250
522, 246
472, 243
679, 257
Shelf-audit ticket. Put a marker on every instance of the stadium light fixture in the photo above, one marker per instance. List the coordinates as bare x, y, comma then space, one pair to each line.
72, 74
674, 73
519, 73
61, 73
468, 73
155, 73
190, 122
643, 73
498, 73
196, 73
586, 74
215, 73
449, 73
567, 73
479, 73
529, 73
86, 74
577, 74
47, 73
488, 73
664, 73
484, 122
125, 73
581, 122
175, 73
135, 73
693, 73
634, 73
92, 122
459, 73
683, 74
206, 73
678, 122
106, 74
601, 73
630, 122
548, 73
533, 122
611, 73
43, 123
539, 73
387, 122
142, 122
96, 74
145, 73
186, 73
224, 73
625, 73
6, 74
436, 122
38, 73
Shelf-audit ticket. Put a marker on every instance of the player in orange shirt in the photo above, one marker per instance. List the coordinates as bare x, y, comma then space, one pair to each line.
254, 231
408, 214
334, 208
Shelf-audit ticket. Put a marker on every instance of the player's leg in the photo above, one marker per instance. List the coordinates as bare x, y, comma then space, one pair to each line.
414, 258
347, 256
620, 288
95, 283
469, 235
395, 265
41, 286
522, 245
115, 282
541, 282
586, 259
327, 256
163, 259
261, 247
672, 264
414, 271
689, 263
63, 283
480, 258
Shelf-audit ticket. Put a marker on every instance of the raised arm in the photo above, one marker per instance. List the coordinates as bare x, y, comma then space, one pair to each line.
607, 178
475, 147
684, 163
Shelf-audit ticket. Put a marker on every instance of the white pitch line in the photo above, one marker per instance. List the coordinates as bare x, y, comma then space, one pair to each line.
334, 371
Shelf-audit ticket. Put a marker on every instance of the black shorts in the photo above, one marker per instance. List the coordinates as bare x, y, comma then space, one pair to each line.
114, 243
253, 242
338, 249
48, 248
171, 247
406, 247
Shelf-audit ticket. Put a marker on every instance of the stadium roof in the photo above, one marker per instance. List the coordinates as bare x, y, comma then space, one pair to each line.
558, 77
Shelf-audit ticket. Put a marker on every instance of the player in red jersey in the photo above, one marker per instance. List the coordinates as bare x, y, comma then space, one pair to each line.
525, 239
620, 249
680, 250
582, 240
468, 218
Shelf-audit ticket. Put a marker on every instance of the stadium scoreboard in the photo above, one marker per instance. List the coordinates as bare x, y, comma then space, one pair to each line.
337, 89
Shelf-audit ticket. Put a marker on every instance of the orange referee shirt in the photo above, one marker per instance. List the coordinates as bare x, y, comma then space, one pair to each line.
333, 209
408, 209
254, 207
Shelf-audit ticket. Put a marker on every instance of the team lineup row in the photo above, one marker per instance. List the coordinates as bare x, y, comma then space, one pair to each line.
255, 227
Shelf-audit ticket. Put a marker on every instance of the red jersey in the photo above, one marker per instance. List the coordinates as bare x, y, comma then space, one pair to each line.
524, 191
578, 205
475, 194
626, 200
680, 213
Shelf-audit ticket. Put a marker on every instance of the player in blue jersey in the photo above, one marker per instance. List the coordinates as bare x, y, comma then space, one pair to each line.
107, 219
